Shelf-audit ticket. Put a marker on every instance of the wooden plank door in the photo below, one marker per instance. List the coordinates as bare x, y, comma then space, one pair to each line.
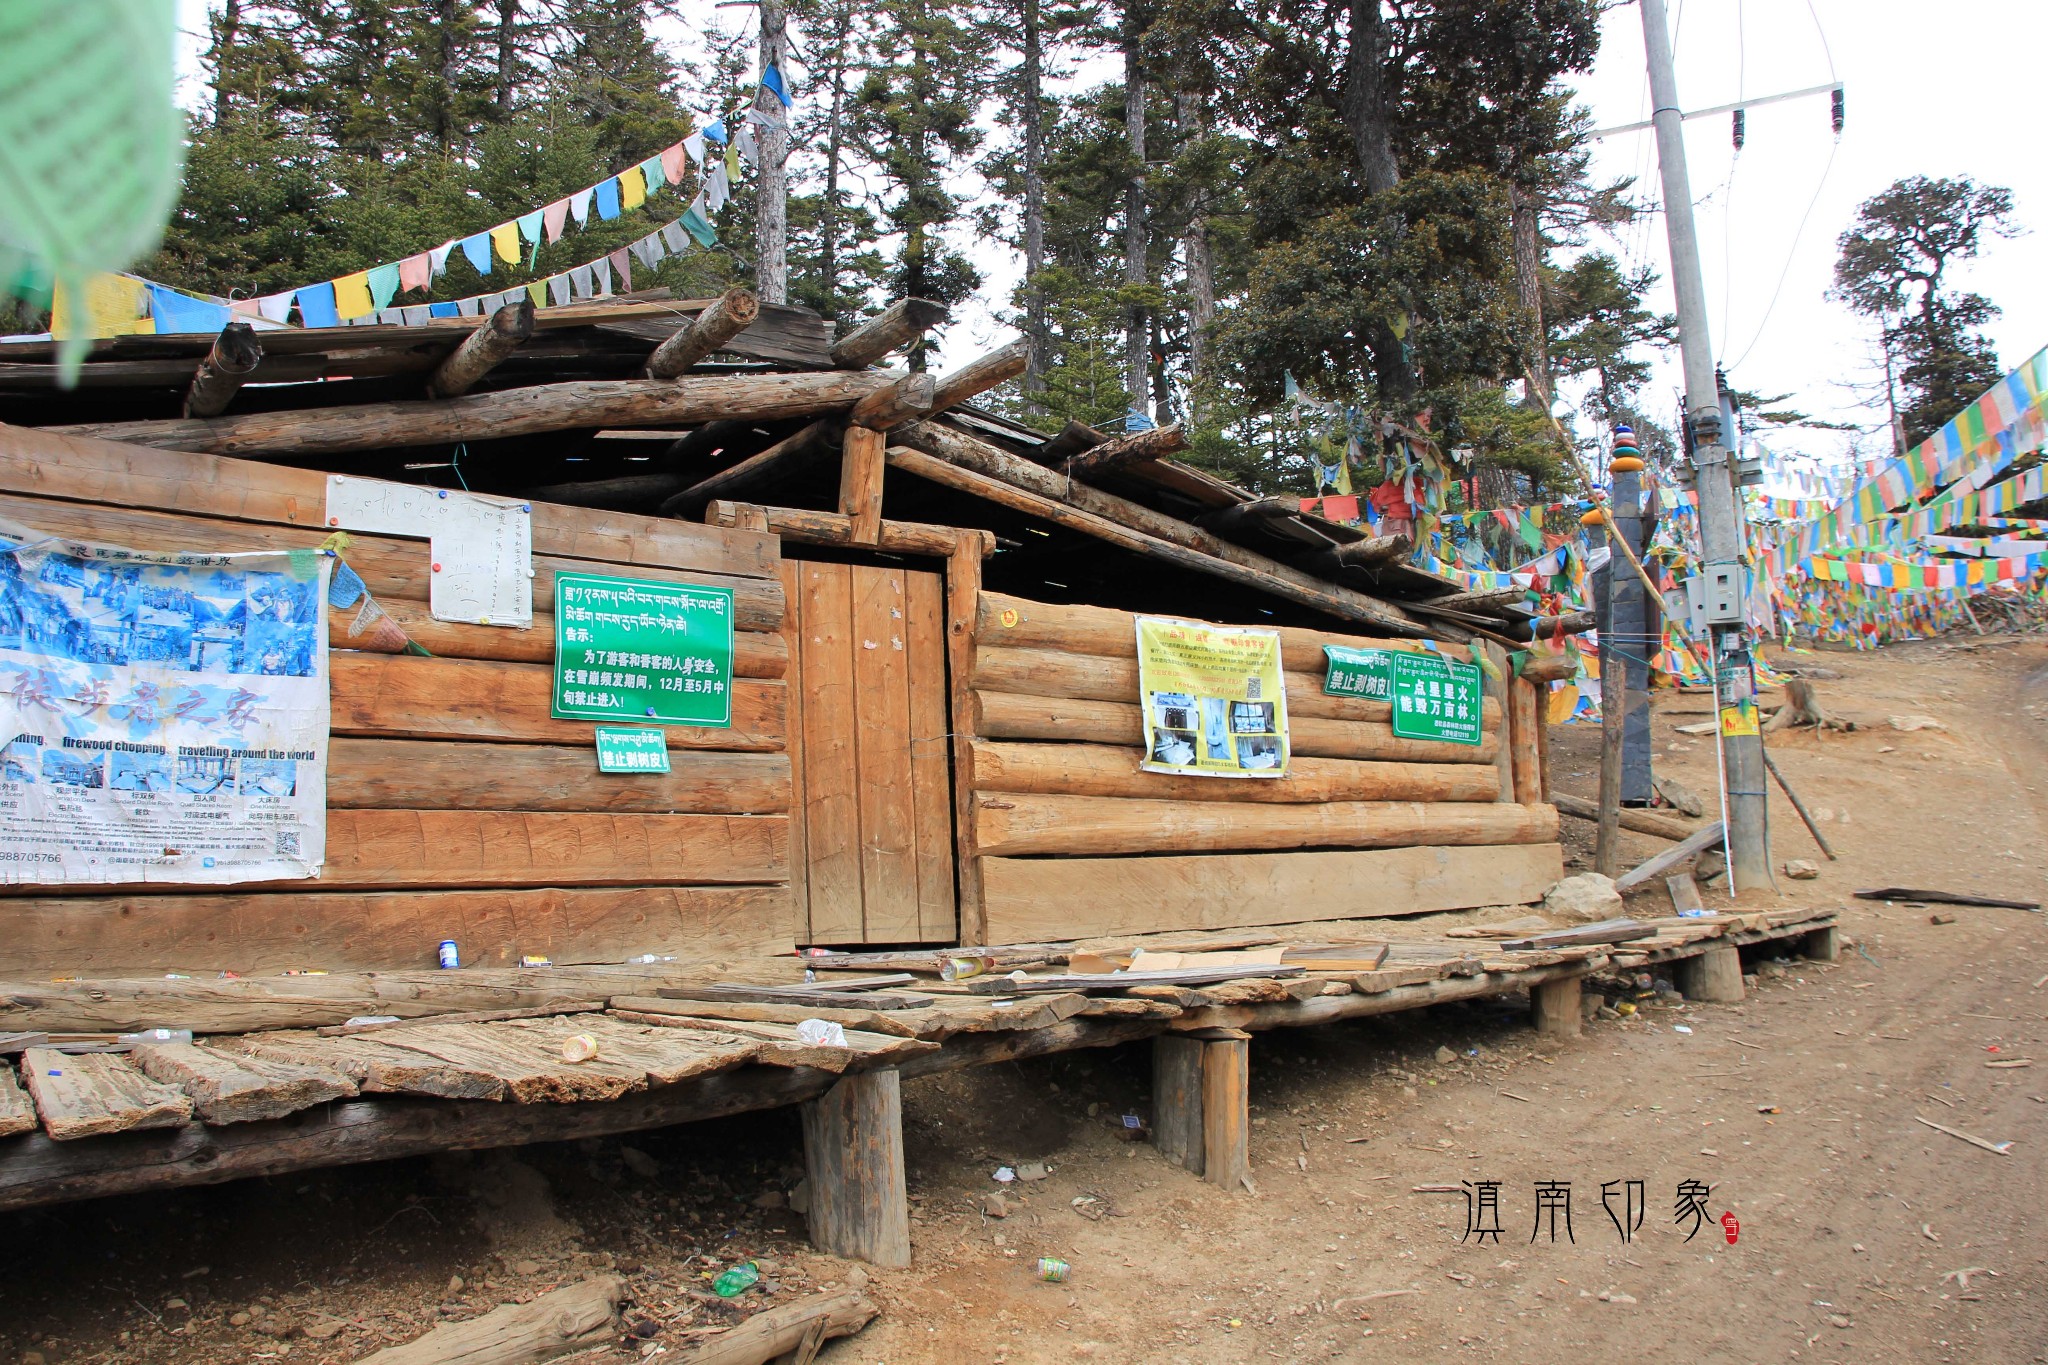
871, 821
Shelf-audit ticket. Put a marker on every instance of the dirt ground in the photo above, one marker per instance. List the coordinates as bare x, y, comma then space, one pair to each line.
1863, 1235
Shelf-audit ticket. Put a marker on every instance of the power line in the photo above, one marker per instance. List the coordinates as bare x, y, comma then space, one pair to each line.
1789, 255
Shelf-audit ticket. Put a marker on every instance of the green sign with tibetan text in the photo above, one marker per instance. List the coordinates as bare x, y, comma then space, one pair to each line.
642, 650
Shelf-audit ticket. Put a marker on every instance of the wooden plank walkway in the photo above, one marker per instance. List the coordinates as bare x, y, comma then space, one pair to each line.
297, 1098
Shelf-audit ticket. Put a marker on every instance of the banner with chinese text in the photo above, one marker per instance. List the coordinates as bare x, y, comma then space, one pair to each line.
1214, 699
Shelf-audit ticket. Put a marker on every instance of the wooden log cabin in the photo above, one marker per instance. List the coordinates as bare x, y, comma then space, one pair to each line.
935, 733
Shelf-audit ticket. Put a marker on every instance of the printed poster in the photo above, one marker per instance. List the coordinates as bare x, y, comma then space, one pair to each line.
1214, 700
163, 717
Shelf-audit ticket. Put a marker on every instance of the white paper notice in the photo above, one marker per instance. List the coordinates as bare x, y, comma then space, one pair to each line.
481, 547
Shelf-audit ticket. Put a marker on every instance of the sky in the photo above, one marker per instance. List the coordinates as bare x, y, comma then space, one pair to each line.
1937, 91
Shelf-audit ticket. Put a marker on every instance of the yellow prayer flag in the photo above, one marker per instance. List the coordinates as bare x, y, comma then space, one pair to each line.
108, 306
352, 296
537, 290
505, 239
632, 189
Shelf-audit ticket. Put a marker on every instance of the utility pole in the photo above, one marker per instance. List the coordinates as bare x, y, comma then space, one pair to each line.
1719, 595
771, 212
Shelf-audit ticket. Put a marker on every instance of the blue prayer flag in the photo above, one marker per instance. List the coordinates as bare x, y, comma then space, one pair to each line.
478, 249
608, 198
316, 305
175, 312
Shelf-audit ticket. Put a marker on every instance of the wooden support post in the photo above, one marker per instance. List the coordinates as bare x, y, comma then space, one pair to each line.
1542, 735
1524, 717
1714, 976
963, 607
1554, 1007
1226, 1107
978, 377
1131, 448
482, 350
890, 330
1822, 945
1500, 687
785, 453
1177, 1099
860, 483
235, 355
732, 314
853, 1161
908, 398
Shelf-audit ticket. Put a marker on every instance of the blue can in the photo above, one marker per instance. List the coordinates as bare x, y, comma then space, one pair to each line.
450, 959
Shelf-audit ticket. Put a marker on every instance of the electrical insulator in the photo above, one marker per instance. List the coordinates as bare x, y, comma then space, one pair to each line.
1836, 114
1741, 132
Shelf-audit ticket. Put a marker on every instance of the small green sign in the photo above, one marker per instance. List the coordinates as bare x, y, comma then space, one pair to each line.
1437, 699
642, 650
1359, 673
631, 749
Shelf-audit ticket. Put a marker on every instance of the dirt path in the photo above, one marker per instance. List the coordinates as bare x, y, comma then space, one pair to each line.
1796, 1107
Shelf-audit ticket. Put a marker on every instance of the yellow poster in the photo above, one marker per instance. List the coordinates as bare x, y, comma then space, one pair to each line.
1214, 700
1739, 719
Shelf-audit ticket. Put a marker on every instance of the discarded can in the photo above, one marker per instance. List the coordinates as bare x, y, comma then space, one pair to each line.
529, 960
737, 1281
450, 958
960, 968
1053, 1270
578, 1047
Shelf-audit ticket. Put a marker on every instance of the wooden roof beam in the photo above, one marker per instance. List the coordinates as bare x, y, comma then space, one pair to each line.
506, 331
1270, 577
807, 527
890, 330
235, 355
1131, 448
978, 377
515, 412
1247, 515
909, 398
732, 314
750, 472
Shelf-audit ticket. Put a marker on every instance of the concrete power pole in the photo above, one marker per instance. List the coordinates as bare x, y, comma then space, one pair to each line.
771, 212
1719, 596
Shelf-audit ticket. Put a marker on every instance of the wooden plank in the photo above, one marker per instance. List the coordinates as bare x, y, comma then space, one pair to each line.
662, 1056
17, 1111
755, 653
1690, 847
1006, 715
401, 697
1524, 716
963, 600
226, 1088
809, 527
740, 993
374, 849
267, 932
89, 1094
1038, 672
404, 774
1011, 825
1005, 621
83, 469
528, 1063
519, 1333
466, 1017
931, 794
853, 1160
1107, 770
373, 1065
860, 483
888, 819
390, 566
831, 754
799, 836
1641, 821
780, 1045
1685, 894
1129, 981
867, 1020
1033, 899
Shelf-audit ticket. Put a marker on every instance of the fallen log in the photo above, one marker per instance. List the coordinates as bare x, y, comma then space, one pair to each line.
1907, 893
789, 1330
514, 412
519, 1333
1641, 821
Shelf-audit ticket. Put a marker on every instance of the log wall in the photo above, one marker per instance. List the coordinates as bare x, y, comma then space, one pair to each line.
1071, 838
457, 808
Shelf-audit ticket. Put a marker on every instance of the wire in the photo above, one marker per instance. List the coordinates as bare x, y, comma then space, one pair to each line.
1823, 36
1789, 255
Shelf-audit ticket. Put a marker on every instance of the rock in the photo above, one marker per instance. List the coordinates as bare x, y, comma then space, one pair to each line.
279, 1325
454, 1285
771, 1199
1607, 1012
1837, 1320
32, 1358
325, 1329
995, 1206
1408, 1092
1908, 724
177, 1304
1032, 1170
239, 1319
526, 1267
1679, 796
1941, 919
1585, 897
800, 1197
767, 1265
639, 1163
1802, 869
1615, 1296
1444, 1056
1591, 1003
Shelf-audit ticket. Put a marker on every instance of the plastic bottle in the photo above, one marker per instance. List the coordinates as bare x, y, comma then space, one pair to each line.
737, 1281
158, 1035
